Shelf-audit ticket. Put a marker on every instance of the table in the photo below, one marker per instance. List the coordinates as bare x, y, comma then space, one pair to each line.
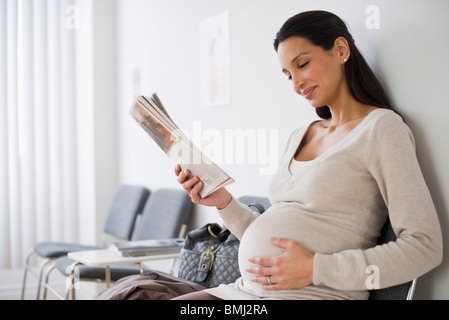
106, 257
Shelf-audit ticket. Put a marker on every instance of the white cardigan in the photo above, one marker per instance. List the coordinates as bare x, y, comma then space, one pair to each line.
335, 206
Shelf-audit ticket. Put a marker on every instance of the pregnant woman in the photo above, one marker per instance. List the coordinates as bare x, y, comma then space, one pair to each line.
338, 181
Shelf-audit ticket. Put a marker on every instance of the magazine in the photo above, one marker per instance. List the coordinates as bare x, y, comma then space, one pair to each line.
147, 247
151, 115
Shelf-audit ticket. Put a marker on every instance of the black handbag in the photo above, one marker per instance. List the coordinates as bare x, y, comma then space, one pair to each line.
210, 256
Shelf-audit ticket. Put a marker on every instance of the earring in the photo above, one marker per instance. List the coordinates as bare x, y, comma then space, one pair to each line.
344, 60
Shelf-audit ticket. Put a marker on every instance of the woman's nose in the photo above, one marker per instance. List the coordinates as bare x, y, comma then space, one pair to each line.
298, 84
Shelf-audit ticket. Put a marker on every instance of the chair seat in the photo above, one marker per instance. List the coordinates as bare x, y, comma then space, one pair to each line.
97, 273
392, 293
58, 249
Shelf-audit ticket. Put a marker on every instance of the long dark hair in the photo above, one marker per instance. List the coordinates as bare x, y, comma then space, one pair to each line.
322, 28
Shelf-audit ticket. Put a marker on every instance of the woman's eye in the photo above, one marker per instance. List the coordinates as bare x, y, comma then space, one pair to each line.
289, 76
302, 66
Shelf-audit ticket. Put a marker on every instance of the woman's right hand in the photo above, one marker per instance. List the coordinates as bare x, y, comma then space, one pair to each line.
219, 198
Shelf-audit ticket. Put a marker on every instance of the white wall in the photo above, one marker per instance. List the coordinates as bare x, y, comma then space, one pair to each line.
160, 39
105, 100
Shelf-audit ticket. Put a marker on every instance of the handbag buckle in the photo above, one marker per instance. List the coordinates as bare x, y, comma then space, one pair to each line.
207, 260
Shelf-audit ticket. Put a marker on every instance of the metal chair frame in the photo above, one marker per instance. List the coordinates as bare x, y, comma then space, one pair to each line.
48, 261
70, 292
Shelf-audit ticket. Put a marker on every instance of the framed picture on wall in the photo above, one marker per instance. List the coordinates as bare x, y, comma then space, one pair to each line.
215, 61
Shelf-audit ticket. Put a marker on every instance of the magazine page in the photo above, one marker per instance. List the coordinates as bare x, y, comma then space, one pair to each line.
150, 244
152, 126
155, 107
150, 114
155, 99
147, 247
189, 157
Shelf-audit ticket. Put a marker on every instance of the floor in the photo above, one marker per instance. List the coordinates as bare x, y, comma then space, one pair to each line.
11, 286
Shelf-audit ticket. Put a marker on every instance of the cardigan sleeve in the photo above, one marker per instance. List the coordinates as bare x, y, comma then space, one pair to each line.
237, 217
392, 162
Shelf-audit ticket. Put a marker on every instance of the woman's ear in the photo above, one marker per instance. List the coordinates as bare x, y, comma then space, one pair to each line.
341, 49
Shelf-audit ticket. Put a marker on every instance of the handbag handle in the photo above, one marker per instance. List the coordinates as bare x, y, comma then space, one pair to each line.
211, 232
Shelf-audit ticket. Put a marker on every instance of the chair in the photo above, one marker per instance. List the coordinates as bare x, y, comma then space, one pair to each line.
261, 204
127, 203
165, 215
403, 291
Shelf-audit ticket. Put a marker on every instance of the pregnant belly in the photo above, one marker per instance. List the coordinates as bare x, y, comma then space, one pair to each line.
282, 221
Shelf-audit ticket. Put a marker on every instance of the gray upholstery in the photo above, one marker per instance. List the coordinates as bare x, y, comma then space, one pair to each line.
252, 200
56, 249
128, 202
165, 211
64, 263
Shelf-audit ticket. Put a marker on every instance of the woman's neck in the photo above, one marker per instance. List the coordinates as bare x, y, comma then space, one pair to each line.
346, 109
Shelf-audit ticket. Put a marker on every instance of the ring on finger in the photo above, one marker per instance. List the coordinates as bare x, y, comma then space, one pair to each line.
269, 280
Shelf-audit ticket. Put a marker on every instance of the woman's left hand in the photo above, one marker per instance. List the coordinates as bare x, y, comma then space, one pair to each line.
291, 270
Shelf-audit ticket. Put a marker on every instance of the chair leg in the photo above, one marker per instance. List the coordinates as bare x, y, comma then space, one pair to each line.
141, 267
42, 266
47, 286
47, 275
411, 290
27, 266
27, 269
71, 287
172, 266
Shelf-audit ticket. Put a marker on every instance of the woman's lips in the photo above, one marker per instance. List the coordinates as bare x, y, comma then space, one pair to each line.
308, 92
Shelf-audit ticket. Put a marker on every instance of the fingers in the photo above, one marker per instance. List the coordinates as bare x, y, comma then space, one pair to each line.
194, 192
264, 280
190, 184
271, 284
265, 267
275, 282
182, 174
261, 275
262, 261
291, 269
178, 169
275, 285
260, 271
282, 243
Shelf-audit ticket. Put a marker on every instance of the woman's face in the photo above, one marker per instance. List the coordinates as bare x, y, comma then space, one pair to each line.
316, 74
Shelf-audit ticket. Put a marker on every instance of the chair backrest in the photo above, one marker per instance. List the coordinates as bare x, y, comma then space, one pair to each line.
128, 202
164, 214
400, 292
255, 201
